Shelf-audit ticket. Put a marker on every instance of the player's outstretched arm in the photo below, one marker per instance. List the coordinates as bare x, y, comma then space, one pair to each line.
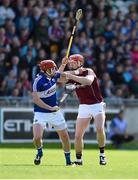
63, 64
82, 80
41, 104
76, 72
63, 78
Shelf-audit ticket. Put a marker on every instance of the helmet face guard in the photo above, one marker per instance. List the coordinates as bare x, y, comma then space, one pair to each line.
75, 61
48, 67
51, 72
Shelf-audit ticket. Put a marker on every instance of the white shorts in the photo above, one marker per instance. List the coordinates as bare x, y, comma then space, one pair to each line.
91, 110
53, 119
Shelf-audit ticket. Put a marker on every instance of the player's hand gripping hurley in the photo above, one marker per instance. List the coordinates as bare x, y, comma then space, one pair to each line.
77, 19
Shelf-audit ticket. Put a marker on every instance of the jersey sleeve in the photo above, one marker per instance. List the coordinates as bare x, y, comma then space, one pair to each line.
90, 77
91, 74
36, 85
57, 76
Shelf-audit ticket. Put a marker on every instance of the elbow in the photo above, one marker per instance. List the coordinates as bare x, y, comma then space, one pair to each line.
35, 99
89, 82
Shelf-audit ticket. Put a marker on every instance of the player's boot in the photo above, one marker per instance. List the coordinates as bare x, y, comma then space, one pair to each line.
102, 160
78, 163
70, 164
37, 159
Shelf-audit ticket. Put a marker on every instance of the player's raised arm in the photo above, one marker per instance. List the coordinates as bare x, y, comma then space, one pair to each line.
63, 64
62, 78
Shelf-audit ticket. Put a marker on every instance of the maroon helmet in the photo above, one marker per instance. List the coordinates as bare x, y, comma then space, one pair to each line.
75, 61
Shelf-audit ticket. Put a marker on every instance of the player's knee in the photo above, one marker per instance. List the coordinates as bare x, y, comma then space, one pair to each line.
78, 137
100, 130
37, 138
65, 136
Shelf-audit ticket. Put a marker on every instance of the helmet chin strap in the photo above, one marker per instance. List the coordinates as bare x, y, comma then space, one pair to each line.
49, 73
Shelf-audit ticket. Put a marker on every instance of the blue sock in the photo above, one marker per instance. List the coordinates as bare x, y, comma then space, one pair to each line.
40, 152
67, 156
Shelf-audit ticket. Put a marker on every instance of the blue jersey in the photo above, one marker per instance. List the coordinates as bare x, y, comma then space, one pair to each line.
46, 89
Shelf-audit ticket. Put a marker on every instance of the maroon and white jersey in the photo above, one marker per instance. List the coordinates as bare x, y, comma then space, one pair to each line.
89, 94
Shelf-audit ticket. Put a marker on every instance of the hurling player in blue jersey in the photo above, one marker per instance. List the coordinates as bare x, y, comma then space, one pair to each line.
46, 109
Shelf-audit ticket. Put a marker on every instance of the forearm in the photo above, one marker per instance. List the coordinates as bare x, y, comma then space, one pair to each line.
81, 80
41, 104
62, 78
63, 64
61, 68
71, 72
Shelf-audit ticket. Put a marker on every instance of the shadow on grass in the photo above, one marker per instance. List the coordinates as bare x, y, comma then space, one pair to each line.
31, 165
126, 146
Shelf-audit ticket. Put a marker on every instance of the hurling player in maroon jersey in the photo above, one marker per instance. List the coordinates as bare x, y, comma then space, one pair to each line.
91, 105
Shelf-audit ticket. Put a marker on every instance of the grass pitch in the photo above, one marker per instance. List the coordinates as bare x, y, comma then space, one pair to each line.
16, 162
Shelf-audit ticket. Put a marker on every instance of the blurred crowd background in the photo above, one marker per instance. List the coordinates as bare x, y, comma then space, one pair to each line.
33, 30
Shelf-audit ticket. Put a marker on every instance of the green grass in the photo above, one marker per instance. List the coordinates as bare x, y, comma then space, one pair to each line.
16, 162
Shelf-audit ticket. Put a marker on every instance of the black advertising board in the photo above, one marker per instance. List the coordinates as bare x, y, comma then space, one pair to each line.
16, 125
